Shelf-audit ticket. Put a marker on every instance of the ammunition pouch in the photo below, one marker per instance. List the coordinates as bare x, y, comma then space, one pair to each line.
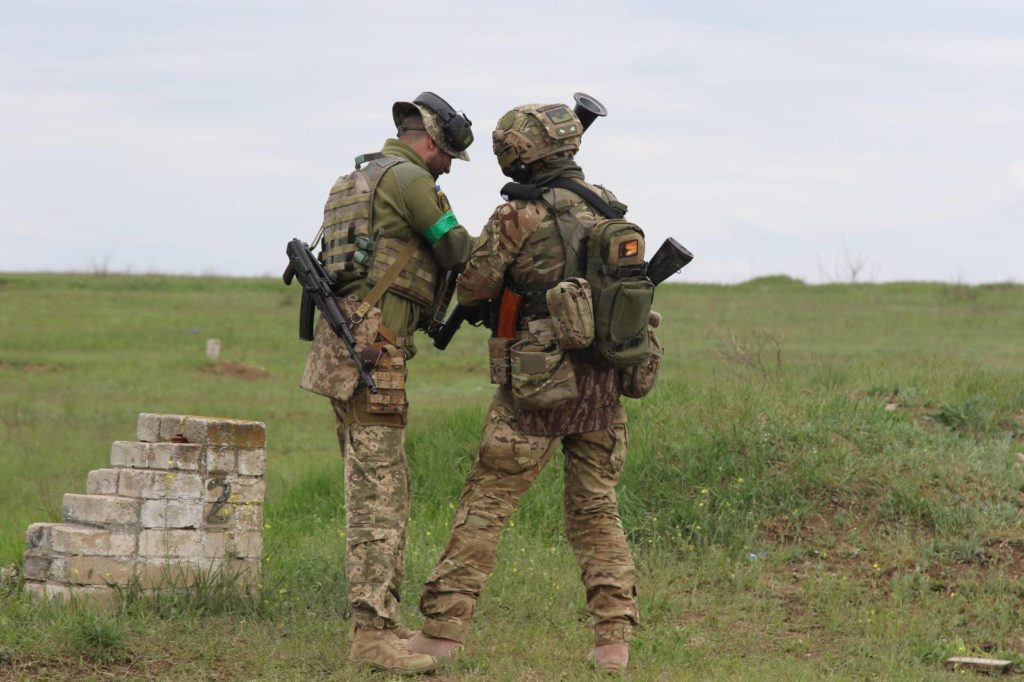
572, 313
542, 376
500, 360
637, 381
389, 372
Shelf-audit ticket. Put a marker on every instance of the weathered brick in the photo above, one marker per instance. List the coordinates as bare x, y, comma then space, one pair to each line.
172, 425
67, 538
131, 482
215, 543
149, 427
220, 460
246, 435
214, 431
170, 514
36, 590
186, 544
129, 454
244, 571
57, 592
93, 594
38, 536
218, 514
36, 565
102, 482
244, 489
237, 489
247, 516
252, 462
173, 485
92, 570
101, 510
247, 545
183, 456
155, 573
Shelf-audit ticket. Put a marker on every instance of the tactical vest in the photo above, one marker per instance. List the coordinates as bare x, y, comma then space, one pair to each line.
348, 216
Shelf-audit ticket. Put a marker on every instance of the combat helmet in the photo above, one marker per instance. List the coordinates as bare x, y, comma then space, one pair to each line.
532, 132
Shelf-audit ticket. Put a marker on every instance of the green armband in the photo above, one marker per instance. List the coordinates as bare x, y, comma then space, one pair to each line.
441, 227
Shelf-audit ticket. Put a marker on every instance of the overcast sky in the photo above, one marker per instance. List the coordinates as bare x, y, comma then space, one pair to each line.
812, 138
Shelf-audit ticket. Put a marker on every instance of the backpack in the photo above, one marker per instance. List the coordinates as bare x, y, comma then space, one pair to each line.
622, 292
613, 265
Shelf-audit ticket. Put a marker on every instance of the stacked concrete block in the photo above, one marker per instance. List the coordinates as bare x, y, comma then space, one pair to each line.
183, 503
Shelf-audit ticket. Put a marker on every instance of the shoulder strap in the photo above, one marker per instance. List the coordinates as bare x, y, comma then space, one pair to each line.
588, 195
387, 279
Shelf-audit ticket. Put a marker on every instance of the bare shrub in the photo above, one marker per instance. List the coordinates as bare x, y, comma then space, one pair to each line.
760, 351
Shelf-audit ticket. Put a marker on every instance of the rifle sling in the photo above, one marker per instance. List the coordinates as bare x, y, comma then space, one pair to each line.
389, 277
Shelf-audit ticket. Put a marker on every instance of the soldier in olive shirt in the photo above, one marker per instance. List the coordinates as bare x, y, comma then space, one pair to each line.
389, 235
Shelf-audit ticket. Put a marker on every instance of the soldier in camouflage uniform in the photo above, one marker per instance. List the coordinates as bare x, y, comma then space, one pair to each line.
388, 235
521, 247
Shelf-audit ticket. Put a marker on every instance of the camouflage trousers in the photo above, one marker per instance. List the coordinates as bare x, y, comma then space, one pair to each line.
507, 463
376, 515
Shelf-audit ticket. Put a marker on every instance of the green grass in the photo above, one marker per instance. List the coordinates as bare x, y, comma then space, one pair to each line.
823, 484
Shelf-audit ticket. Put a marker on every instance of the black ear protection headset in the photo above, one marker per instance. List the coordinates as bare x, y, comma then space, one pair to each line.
455, 125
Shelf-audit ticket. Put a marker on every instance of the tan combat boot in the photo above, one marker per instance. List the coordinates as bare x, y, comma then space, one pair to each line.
437, 647
383, 650
612, 657
404, 632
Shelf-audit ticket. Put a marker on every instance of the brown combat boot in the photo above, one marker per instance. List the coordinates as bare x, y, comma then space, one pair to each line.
383, 650
437, 647
612, 657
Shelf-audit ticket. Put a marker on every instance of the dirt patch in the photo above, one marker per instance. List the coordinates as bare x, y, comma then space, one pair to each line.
29, 367
1005, 557
236, 370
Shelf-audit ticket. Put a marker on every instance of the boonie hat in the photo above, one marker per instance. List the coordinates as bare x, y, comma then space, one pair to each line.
399, 110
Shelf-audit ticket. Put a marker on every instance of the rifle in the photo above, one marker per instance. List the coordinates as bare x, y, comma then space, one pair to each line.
316, 293
446, 290
670, 258
460, 313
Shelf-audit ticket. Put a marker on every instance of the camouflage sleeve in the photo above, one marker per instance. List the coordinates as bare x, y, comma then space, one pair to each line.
430, 215
503, 237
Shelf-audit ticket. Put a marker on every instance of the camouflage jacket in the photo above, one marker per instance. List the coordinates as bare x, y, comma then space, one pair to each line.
520, 243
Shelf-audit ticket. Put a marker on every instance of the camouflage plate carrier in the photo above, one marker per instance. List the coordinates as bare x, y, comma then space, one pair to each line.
348, 239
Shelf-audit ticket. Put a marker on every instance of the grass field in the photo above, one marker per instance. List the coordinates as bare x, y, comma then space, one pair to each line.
824, 484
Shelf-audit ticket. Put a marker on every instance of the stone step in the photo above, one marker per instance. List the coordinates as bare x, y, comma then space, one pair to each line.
244, 435
146, 484
73, 538
101, 510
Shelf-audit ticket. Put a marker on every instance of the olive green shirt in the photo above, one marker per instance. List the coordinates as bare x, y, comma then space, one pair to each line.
407, 202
